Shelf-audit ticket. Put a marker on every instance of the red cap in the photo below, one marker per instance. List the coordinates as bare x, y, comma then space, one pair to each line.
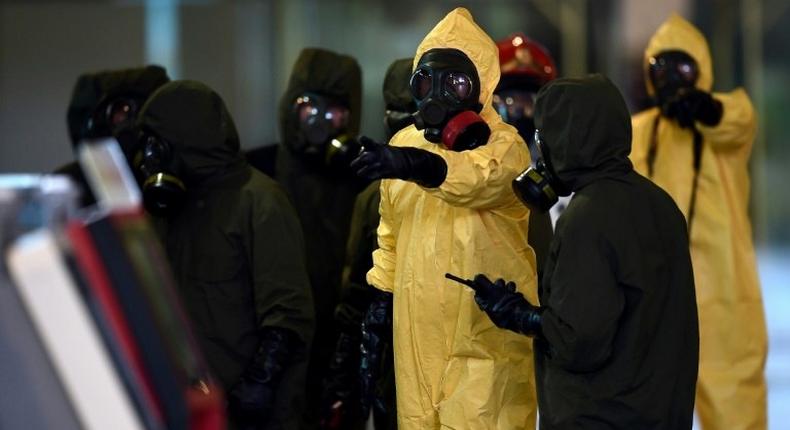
522, 56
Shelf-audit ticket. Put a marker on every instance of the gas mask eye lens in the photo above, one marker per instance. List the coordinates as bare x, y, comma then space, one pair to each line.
687, 72
517, 104
119, 112
501, 107
318, 118
155, 150
339, 117
420, 84
672, 69
658, 71
305, 108
458, 85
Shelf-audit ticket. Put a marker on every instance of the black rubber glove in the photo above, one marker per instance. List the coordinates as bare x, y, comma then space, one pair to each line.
506, 307
690, 105
376, 335
251, 400
379, 160
341, 386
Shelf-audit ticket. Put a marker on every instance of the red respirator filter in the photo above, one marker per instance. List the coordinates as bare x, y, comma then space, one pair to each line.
465, 131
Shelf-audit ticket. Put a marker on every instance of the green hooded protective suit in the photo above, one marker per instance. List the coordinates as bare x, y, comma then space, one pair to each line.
620, 340
323, 197
236, 247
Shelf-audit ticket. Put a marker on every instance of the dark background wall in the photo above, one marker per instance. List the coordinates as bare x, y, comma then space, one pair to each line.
245, 50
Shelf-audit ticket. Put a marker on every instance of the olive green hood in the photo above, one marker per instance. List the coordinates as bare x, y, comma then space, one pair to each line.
586, 127
193, 119
326, 73
92, 88
397, 95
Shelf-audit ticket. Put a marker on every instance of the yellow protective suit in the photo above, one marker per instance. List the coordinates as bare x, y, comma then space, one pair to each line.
731, 390
454, 369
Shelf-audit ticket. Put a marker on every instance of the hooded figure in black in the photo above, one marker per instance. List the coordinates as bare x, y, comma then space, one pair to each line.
105, 104
340, 409
312, 165
616, 338
236, 249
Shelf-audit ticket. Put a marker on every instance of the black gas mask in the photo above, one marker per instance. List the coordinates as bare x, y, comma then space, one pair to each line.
111, 114
323, 125
538, 187
670, 73
517, 108
114, 116
446, 89
157, 168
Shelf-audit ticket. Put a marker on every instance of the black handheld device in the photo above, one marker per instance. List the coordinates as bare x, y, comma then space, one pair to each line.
468, 282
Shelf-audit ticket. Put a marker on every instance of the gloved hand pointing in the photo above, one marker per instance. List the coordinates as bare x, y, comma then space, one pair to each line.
379, 160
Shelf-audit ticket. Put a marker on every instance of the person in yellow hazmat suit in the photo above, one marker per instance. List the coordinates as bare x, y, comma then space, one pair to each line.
696, 145
447, 206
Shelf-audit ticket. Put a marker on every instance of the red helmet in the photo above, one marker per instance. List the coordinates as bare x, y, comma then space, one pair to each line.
520, 56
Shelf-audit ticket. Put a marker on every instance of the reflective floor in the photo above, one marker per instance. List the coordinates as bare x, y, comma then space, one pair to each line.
775, 277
